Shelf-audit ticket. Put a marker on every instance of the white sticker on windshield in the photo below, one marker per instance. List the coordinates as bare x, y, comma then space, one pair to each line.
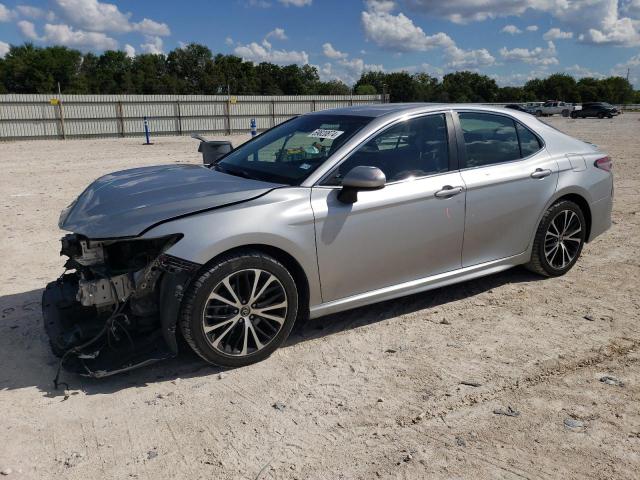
322, 133
305, 166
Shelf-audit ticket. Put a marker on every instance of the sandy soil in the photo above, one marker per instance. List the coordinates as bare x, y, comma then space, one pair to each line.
375, 392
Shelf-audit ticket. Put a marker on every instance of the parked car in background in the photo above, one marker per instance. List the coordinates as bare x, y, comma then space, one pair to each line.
554, 108
516, 106
531, 107
595, 109
325, 212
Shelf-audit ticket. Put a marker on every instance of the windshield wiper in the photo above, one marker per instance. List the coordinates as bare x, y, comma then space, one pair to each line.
237, 173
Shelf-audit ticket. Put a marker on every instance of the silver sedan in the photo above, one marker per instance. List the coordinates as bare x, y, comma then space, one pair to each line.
325, 212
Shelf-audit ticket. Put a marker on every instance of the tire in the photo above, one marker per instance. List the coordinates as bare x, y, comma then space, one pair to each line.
551, 263
238, 333
538, 113
565, 113
574, 115
601, 115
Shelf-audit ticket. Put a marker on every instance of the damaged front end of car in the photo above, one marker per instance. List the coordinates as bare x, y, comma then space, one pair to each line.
116, 306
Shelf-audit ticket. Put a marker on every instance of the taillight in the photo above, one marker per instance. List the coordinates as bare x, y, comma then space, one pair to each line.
604, 163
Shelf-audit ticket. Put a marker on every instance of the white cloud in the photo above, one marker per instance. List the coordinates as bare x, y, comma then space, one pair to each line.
29, 11
557, 34
154, 44
347, 71
106, 17
28, 30
330, 52
511, 29
460, 59
264, 52
400, 34
130, 50
277, 33
464, 11
4, 48
532, 28
597, 21
151, 27
578, 71
296, 3
632, 66
536, 56
6, 15
228, 41
61, 34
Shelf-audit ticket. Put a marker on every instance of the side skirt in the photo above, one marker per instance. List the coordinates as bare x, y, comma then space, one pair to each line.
419, 285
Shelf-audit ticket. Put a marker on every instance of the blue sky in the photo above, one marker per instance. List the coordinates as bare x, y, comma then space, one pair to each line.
510, 40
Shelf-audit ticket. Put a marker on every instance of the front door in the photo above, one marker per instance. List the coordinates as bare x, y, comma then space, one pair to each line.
408, 230
509, 178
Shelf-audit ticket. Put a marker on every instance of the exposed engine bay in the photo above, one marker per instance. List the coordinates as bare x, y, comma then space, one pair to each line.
115, 308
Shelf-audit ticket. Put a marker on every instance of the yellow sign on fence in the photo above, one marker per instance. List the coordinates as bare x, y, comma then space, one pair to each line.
54, 101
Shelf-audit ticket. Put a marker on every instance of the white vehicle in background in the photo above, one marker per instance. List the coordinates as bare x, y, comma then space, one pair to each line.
554, 107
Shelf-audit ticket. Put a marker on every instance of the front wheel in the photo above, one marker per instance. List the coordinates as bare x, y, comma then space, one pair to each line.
240, 310
538, 113
574, 115
559, 240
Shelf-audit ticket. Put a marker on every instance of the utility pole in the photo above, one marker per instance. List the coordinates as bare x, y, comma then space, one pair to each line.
628, 70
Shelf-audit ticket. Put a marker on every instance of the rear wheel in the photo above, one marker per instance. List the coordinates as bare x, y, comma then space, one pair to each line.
559, 240
538, 113
240, 310
574, 115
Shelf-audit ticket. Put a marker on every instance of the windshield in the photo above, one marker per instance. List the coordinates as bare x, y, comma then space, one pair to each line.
290, 152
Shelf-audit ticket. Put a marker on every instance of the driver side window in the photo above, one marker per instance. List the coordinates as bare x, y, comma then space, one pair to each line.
414, 148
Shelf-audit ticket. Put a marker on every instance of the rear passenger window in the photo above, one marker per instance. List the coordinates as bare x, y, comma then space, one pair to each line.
529, 143
491, 139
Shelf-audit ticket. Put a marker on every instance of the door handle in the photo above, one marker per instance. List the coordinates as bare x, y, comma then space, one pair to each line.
448, 191
540, 173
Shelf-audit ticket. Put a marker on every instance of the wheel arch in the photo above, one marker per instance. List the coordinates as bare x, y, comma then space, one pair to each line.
578, 199
290, 263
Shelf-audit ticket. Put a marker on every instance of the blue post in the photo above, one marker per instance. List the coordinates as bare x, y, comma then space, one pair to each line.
146, 130
254, 127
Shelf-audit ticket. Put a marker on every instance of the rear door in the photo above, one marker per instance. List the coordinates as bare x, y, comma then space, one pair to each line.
509, 177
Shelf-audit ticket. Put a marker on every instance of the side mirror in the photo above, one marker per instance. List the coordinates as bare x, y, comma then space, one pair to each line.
361, 178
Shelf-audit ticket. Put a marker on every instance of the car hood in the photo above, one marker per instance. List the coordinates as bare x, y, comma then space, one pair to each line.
125, 203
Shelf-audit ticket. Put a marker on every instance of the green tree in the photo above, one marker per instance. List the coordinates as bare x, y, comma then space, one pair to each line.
112, 73
149, 75
333, 87
561, 86
365, 89
191, 68
469, 87
267, 75
427, 87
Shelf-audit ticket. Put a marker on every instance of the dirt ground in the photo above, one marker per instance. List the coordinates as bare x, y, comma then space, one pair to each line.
377, 392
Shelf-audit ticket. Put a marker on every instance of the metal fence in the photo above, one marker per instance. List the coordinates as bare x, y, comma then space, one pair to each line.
39, 116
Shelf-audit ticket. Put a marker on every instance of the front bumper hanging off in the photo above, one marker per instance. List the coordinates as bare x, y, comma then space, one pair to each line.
98, 343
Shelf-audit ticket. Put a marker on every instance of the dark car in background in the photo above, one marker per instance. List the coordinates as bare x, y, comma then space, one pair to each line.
515, 106
595, 109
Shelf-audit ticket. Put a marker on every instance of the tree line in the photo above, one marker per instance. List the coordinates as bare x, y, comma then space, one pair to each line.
194, 69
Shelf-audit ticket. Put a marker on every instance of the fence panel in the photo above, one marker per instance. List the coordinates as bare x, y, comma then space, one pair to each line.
39, 116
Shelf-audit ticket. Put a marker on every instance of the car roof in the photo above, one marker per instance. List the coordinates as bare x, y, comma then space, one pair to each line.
391, 109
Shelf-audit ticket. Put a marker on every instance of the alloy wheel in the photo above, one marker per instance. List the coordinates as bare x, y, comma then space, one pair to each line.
563, 239
244, 312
